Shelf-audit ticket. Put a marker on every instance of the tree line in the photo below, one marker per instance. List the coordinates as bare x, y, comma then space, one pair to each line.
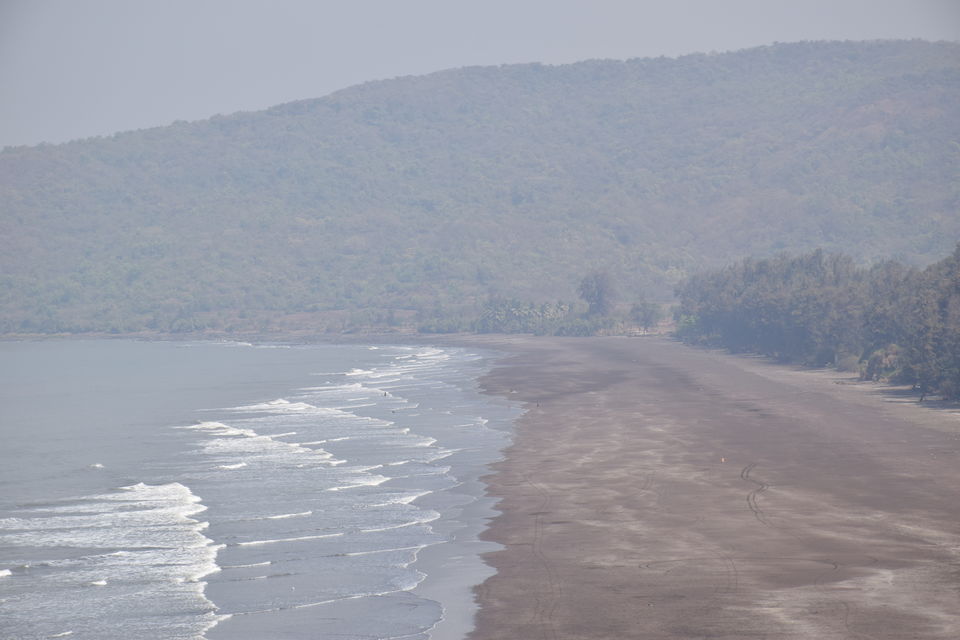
889, 321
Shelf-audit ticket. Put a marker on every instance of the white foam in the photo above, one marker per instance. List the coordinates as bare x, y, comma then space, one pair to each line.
327, 416
378, 551
160, 546
339, 388
61, 635
283, 516
443, 453
430, 518
279, 405
108, 519
220, 429
247, 566
247, 444
296, 539
409, 585
5, 572
95, 465
232, 343
379, 375
402, 499
372, 481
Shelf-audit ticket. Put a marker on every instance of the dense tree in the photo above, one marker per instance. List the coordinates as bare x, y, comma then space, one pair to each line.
515, 316
598, 291
646, 314
898, 323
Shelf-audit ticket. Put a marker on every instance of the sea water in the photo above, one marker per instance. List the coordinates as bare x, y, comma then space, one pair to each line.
225, 490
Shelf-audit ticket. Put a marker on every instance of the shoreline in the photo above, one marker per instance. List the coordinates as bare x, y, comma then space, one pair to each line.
454, 568
469, 428
655, 490
548, 550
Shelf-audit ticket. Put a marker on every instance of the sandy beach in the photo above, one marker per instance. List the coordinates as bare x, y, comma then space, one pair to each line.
659, 491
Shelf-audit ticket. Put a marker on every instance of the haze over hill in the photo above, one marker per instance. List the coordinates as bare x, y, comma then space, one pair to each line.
432, 194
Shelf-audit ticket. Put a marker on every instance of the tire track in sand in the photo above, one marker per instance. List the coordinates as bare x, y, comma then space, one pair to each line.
753, 498
546, 601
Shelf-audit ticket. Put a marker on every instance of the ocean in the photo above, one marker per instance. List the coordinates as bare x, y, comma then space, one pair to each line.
231, 490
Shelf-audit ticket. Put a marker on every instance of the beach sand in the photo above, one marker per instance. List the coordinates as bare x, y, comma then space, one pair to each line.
659, 491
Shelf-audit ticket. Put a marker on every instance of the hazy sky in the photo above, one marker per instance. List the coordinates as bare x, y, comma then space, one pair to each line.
76, 68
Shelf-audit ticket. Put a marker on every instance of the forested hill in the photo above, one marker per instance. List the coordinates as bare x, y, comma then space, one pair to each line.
435, 193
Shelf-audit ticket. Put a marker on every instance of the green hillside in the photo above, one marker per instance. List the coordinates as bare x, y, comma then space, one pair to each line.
430, 195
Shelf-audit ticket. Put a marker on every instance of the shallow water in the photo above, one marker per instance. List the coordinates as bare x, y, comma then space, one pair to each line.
171, 490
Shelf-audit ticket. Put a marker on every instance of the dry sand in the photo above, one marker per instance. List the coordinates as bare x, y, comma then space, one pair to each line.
658, 491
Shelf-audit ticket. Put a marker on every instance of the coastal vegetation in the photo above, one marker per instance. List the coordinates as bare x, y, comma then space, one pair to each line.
889, 321
482, 198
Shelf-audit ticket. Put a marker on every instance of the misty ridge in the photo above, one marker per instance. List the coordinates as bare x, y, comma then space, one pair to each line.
482, 197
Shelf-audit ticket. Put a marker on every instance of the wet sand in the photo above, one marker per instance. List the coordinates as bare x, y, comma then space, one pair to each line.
658, 491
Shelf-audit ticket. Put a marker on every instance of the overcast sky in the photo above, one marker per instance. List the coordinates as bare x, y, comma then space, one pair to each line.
77, 68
